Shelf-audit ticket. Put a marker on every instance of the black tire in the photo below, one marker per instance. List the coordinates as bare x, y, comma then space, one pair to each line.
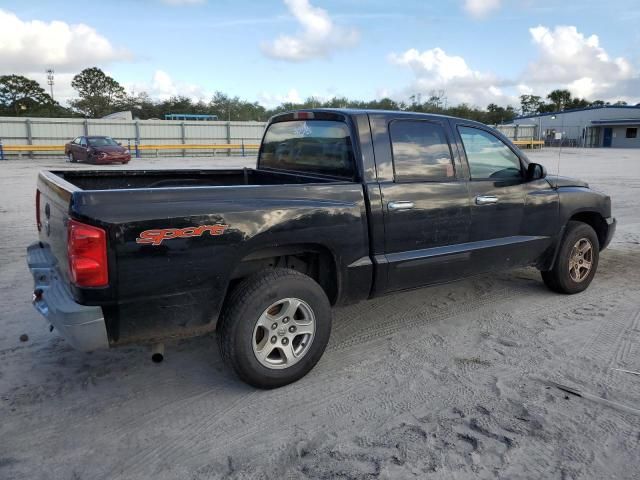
72, 159
249, 300
559, 278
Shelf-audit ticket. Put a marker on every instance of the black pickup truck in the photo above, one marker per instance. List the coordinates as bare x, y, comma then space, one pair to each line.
343, 205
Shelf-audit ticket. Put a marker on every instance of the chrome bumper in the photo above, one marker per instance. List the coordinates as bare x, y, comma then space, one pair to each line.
83, 327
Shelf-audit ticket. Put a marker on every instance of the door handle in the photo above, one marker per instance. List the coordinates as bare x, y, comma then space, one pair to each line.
486, 199
403, 205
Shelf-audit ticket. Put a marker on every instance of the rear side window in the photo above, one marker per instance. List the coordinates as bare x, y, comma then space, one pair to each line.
420, 151
488, 156
311, 146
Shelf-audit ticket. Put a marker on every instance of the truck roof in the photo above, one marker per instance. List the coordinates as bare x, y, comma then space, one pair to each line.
372, 111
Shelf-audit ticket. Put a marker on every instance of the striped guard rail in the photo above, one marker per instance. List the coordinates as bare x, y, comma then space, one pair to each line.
218, 146
528, 143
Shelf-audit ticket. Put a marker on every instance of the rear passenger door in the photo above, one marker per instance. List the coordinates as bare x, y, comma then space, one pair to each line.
425, 202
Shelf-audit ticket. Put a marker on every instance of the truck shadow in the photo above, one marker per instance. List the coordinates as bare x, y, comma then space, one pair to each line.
194, 366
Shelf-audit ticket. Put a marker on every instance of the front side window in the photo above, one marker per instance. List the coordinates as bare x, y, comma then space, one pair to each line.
420, 151
312, 146
488, 156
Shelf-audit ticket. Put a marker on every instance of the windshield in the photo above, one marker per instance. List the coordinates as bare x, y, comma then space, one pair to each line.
101, 141
313, 146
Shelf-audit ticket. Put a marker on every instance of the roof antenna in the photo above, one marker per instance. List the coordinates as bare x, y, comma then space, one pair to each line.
553, 117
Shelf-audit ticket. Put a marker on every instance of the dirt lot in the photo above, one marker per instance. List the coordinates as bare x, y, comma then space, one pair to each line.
447, 382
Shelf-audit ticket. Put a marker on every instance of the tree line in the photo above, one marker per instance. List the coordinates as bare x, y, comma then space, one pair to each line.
99, 95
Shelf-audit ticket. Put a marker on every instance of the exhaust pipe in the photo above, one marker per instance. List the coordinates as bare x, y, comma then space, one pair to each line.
157, 352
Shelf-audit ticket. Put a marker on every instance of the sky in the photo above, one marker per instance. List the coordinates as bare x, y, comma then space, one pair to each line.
272, 51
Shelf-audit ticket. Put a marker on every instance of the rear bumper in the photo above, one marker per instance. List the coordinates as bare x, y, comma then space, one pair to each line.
611, 224
83, 327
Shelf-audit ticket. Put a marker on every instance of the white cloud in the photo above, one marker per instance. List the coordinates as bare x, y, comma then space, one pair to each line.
565, 59
383, 92
271, 100
583, 87
33, 46
569, 59
434, 64
524, 89
319, 36
481, 8
435, 70
162, 86
566, 55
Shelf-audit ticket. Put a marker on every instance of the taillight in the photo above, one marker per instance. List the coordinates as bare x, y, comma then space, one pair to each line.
303, 115
87, 248
38, 222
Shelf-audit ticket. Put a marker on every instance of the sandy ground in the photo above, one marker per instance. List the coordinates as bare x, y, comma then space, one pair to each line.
448, 382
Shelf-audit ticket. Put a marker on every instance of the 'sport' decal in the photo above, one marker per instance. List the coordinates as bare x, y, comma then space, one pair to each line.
156, 237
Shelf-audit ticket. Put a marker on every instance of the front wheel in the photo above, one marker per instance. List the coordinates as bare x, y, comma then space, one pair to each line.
72, 159
577, 260
275, 327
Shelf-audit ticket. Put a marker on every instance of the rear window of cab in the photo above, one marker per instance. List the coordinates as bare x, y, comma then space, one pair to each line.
311, 146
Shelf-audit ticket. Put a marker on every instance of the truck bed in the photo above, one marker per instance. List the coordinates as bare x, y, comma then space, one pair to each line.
135, 179
176, 287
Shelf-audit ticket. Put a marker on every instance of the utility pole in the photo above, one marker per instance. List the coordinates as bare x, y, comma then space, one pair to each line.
539, 127
50, 80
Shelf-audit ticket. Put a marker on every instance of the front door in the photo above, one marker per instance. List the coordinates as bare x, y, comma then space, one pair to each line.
607, 136
425, 203
497, 192
79, 149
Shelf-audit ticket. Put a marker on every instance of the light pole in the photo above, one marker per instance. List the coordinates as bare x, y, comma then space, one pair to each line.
539, 127
50, 80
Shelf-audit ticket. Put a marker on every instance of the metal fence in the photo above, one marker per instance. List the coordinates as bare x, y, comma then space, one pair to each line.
518, 132
57, 131
157, 137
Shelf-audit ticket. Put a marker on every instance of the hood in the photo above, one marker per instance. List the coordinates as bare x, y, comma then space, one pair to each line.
557, 181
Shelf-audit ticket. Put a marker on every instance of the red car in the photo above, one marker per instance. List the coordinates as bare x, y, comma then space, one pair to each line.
98, 150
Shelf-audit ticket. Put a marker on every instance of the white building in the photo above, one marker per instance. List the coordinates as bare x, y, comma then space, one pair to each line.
610, 126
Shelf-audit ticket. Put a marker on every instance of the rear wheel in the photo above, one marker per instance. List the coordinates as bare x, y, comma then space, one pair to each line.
275, 327
577, 260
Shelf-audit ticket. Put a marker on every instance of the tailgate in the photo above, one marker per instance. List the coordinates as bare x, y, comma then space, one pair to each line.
53, 198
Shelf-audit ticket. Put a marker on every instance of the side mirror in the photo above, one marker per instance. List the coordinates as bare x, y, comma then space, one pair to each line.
535, 171
119, 143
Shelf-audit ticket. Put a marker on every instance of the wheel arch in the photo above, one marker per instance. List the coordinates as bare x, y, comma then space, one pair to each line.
596, 221
312, 259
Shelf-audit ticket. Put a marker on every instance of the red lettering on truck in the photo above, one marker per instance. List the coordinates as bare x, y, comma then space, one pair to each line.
156, 237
